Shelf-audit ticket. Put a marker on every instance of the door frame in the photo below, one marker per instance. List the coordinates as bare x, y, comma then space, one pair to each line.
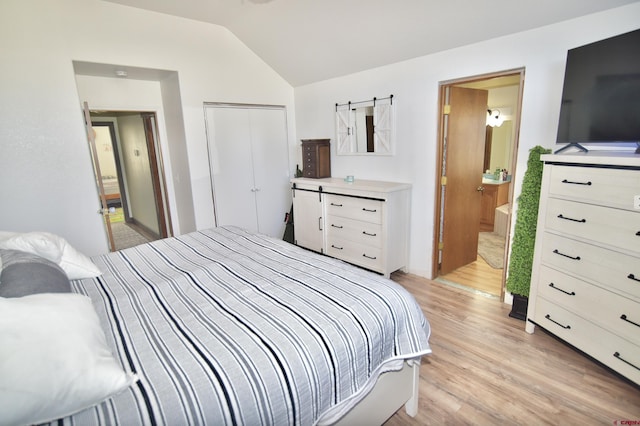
156, 166
438, 205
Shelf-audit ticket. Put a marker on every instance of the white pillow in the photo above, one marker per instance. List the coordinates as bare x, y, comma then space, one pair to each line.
55, 249
54, 360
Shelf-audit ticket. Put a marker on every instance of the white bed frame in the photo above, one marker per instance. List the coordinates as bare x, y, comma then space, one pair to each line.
392, 390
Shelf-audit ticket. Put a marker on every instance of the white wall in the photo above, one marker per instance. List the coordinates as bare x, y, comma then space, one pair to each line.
45, 170
414, 84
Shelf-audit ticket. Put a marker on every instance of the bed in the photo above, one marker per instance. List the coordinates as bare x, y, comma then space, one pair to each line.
223, 326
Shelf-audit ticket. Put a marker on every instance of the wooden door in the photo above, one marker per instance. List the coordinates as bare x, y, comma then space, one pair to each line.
465, 128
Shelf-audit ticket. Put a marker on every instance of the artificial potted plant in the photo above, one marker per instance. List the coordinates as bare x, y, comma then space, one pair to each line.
524, 235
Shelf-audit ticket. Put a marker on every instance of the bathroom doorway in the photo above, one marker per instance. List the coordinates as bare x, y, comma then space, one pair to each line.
488, 195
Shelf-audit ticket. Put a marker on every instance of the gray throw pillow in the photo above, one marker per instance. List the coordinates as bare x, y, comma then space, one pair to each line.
25, 273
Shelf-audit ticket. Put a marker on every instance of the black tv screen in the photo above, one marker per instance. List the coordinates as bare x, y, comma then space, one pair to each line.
601, 93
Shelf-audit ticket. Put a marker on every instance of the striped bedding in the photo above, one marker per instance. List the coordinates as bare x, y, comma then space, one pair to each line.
227, 327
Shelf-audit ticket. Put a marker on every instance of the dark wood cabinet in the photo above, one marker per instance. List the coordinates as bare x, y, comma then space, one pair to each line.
493, 196
316, 158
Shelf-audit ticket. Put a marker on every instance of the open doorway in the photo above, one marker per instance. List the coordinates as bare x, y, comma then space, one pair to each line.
477, 157
130, 178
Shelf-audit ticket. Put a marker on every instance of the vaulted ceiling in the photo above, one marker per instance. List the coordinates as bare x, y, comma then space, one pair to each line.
312, 40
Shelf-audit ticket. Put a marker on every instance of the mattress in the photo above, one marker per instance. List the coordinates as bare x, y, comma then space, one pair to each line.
227, 327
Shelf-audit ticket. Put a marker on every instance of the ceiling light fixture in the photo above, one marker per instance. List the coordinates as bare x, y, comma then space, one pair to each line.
494, 118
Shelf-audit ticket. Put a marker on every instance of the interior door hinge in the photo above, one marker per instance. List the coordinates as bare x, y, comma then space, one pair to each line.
440, 245
443, 181
446, 110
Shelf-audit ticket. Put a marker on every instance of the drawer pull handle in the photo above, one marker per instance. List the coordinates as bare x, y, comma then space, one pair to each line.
369, 210
617, 355
573, 293
337, 226
560, 216
336, 205
566, 255
336, 247
633, 277
369, 257
367, 233
638, 234
576, 183
623, 317
320, 223
566, 327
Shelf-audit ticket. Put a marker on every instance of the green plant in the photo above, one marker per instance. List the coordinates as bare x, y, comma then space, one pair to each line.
524, 235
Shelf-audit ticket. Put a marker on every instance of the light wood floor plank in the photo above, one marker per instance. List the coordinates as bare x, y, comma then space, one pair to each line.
477, 275
486, 370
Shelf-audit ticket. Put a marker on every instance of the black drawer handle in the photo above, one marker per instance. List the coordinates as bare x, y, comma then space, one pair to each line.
638, 234
336, 247
573, 293
566, 255
623, 317
367, 233
369, 257
566, 327
617, 355
337, 226
560, 216
576, 183
369, 210
633, 277
336, 205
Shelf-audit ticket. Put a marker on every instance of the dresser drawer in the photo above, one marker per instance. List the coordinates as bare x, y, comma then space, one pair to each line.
608, 348
618, 314
359, 254
603, 186
369, 234
608, 268
614, 227
354, 208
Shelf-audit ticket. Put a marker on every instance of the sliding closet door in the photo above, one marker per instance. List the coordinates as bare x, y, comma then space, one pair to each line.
248, 154
270, 169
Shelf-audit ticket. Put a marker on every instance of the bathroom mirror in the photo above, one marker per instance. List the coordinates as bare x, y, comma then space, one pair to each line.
365, 128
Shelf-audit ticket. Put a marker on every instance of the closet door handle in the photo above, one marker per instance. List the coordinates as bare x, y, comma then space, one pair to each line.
566, 255
573, 293
566, 327
320, 223
560, 216
576, 183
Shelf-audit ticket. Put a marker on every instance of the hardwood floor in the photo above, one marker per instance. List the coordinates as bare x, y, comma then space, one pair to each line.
486, 370
477, 275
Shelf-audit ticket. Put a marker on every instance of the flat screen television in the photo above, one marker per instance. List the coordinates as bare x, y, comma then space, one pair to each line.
601, 93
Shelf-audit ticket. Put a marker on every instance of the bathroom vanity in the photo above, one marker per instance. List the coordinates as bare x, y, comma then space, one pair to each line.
494, 194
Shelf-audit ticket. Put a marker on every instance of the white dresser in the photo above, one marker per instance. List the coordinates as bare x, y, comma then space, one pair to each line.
363, 222
585, 283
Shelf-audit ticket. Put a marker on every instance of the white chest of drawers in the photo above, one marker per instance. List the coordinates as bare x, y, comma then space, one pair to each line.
363, 222
585, 282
